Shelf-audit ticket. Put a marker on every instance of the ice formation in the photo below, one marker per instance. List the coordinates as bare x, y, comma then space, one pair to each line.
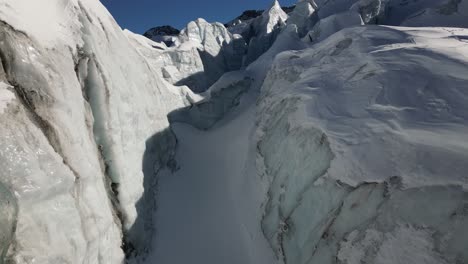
334, 133
365, 141
73, 138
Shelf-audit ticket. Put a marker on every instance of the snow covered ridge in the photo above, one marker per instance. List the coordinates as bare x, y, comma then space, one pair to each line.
362, 137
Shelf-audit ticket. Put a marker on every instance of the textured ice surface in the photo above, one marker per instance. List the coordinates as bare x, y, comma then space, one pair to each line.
6, 96
448, 13
356, 130
86, 101
9, 210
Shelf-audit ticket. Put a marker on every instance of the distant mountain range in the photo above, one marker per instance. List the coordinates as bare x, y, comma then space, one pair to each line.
160, 33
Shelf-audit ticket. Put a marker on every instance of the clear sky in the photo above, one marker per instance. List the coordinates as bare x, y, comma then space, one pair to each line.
141, 15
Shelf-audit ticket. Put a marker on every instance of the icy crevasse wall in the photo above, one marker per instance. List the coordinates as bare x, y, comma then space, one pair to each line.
362, 139
83, 104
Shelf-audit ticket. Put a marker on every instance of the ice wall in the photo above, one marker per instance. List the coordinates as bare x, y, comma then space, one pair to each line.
74, 135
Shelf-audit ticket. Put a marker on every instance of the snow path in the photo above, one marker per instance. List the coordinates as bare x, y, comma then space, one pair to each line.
209, 210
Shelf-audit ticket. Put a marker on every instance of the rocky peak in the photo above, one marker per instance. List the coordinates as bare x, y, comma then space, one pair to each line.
161, 31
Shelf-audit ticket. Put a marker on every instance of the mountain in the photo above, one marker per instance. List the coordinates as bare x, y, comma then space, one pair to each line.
251, 14
163, 34
334, 133
161, 31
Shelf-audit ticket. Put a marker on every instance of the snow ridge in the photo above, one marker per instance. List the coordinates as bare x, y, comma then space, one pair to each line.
347, 186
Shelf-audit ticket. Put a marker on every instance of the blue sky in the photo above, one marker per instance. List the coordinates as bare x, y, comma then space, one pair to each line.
140, 15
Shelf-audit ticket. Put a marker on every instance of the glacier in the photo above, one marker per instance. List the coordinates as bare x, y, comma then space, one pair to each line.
75, 132
334, 132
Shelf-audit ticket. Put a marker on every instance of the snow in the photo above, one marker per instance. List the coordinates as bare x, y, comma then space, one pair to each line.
273, 16
263, 30
303, 16
209, 210
332, 24
89, 101
204, 52
9, 209
380, 104
57, 18
366, 108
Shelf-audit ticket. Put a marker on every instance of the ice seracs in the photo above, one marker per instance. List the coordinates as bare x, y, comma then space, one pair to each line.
301, 16
201, 54
263, 31
332, 24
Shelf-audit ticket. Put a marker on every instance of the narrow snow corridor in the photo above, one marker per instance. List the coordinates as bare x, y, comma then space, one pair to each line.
209, 210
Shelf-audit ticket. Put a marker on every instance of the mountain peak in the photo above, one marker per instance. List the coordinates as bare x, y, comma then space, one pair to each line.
165, 30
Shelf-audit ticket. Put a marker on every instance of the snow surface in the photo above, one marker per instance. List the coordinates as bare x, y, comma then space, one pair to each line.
209, 210
364, 110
